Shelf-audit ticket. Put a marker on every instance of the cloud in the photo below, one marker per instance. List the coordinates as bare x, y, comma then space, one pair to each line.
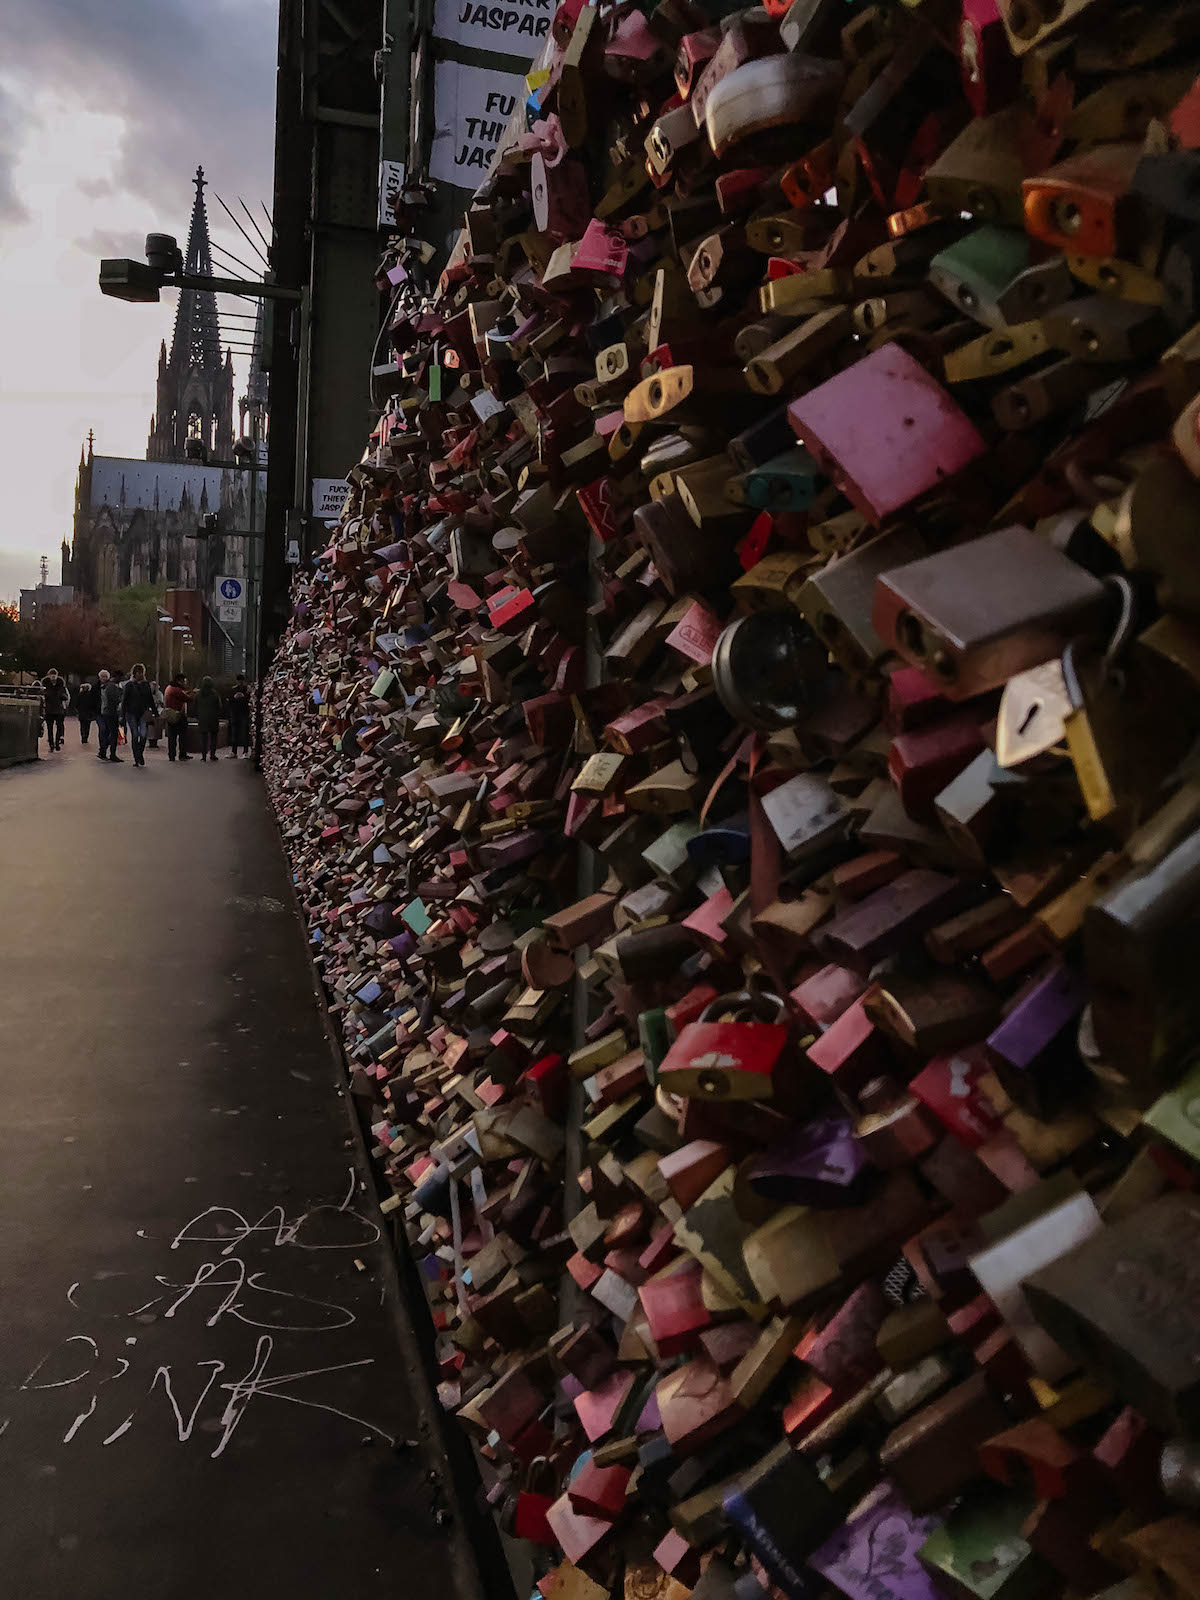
11, 208
107, 242
191, 82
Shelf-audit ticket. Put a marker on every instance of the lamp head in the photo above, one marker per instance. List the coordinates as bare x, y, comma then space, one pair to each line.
130, 280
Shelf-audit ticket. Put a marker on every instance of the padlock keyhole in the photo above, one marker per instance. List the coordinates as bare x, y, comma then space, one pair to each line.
1068, 216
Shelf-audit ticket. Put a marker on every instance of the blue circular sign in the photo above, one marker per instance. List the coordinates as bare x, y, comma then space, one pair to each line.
231, 589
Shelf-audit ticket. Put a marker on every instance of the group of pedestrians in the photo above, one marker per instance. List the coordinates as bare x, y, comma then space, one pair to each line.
139, 706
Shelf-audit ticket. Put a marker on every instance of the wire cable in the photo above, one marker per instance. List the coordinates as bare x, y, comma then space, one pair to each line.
240, 229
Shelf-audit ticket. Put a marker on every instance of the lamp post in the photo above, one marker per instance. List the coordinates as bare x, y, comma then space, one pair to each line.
178, 628
160, 618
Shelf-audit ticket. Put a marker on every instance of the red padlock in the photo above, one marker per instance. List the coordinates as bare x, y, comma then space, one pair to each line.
729, 1060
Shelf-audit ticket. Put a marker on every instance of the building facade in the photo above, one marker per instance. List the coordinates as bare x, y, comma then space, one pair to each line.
172, 520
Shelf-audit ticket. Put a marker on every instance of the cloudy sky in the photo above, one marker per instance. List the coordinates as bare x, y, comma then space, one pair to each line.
105, 111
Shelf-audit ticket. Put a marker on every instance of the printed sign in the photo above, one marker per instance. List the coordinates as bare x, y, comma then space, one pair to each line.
471, 108
227, 612
391, 181
231, 590
292, 555
328, 498
515, 29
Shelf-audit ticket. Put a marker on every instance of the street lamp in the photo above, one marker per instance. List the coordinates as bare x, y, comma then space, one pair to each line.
178, 628
160, 618
141, 281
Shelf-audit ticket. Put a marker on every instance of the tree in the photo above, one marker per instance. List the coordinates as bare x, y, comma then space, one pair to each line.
75, 639
133, 612
12, 639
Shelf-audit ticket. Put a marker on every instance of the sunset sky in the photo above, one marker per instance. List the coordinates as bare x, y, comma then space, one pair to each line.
105, 112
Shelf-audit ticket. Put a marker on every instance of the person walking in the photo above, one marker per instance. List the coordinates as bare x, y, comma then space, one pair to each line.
137, 702
56, 697
208, 718
239, 717
87, 705
156, 716
110, 716
176, 699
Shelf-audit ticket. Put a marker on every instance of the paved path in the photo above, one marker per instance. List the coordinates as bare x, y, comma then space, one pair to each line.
199, 1366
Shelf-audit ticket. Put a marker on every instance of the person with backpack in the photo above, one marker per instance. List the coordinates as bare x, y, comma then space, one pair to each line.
137, 703
56, 697
110, 716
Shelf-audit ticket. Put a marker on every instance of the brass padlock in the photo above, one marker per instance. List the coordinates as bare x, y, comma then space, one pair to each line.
1122, 738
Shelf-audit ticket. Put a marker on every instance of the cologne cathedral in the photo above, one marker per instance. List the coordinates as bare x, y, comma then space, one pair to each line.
136, 521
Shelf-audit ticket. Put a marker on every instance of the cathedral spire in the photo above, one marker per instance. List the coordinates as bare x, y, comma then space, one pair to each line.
193, 414
252, 406
196, 342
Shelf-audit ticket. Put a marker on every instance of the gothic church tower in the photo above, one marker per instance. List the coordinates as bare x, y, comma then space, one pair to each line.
195, 386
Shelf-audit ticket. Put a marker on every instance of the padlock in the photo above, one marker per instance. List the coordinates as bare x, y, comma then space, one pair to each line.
974, 615
885, 432
774, 92
982, 170
975, 272
1085, 205
1153, 531
773, 369
995, 353
532, 1501
1103, 330
1030, 22
991, 77
769, 669
1136, 939
806, 816
1123, 740
838, 600
736, 1059
1121, 1302
1031, 399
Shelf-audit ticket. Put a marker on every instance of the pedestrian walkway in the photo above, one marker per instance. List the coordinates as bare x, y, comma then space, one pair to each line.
203, 1389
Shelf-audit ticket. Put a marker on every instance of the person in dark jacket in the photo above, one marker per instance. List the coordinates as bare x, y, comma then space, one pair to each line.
56, 697
239, 717
207, 707
87, 704
110, 716
137, 703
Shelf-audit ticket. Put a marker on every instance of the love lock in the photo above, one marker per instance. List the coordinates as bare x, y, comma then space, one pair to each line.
733, 1052
1121, 736
769, 669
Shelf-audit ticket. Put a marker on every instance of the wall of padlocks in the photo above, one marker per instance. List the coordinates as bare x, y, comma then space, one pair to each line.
736, 755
